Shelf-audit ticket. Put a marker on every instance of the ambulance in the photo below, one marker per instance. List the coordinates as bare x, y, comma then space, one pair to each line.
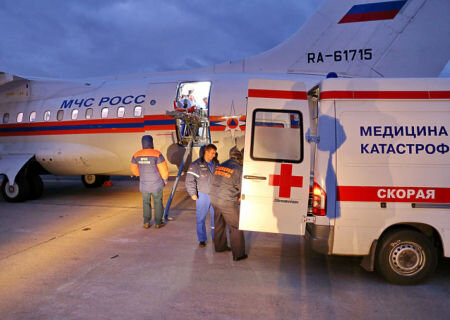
361, 167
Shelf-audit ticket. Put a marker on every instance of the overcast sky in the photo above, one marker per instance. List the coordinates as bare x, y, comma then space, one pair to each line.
76, 39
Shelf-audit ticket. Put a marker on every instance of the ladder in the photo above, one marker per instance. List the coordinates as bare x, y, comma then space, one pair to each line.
192, 123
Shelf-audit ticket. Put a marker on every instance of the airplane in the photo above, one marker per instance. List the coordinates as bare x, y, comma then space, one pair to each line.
92, 127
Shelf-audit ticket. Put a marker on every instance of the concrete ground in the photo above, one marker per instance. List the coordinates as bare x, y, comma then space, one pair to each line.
83, 254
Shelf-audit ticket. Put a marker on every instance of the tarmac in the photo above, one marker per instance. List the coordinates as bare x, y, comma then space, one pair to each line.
81, 253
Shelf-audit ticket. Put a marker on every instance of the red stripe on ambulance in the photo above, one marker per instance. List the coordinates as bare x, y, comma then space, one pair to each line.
393, 194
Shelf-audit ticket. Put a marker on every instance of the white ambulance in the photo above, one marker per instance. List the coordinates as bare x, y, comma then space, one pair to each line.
379, 153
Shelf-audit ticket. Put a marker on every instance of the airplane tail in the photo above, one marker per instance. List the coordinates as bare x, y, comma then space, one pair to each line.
365, 38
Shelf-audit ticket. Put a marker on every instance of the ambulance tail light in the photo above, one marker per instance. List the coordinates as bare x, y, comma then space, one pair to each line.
319, 200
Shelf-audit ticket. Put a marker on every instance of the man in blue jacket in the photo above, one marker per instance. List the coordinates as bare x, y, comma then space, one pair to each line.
150, 166
198, 180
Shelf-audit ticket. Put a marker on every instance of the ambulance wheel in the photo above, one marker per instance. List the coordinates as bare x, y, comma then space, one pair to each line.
406, 257
16, 192
36, 186
93, 180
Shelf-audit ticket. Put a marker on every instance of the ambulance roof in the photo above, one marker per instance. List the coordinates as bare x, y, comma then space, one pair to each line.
384, 84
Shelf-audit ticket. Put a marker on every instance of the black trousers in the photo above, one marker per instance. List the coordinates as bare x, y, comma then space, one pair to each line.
227, 214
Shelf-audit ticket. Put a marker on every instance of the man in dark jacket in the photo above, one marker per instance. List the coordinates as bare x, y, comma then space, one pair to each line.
150, 166
225, 195
198, 180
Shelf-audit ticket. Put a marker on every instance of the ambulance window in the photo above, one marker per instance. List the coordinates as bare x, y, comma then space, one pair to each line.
105, 112
89, 112
74, 114
33, 116
19, 117
120, 112
138, 111
277, 135
60, 115
47, 115
6, 118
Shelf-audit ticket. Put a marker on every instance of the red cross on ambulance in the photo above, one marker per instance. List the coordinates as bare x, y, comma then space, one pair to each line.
285, 180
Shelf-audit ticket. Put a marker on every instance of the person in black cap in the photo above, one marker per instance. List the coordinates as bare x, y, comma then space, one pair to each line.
225, 195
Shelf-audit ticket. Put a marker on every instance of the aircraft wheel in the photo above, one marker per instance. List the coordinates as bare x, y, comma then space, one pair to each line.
16, 192
406, 257
93, 180
36, 186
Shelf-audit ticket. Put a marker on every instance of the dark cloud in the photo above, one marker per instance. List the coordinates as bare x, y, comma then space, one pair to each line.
93, 38
64, 39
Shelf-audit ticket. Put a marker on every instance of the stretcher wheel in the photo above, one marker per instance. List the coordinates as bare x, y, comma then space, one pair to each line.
405, 257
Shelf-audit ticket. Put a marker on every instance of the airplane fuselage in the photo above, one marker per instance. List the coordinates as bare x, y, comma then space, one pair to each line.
95, 127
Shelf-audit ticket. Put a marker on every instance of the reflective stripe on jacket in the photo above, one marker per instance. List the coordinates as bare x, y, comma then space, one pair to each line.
198, 177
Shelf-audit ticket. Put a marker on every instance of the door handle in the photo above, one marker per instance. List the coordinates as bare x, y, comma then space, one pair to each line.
254, 177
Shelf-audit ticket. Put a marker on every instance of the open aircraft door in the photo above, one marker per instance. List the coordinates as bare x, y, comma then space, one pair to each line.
275, 180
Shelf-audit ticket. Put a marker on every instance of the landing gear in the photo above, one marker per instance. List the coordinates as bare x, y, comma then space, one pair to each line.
36, 186
93, 180
16, 192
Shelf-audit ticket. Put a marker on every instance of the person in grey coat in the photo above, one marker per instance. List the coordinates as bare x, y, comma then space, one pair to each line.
225, 193
198, 180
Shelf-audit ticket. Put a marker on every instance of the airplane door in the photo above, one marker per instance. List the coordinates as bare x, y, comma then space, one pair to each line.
275, 180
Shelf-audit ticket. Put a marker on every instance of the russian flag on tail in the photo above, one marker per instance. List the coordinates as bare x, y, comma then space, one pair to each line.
373, 11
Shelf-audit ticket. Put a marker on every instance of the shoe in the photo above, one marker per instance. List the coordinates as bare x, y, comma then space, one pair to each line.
202, 244
147, 225
224, 250
168, 219
240, 258
159, 226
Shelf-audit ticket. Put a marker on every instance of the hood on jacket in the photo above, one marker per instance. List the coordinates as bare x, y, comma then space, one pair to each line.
147, 142
201, 152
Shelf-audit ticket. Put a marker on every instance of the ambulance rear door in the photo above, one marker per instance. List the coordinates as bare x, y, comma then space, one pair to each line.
275, 180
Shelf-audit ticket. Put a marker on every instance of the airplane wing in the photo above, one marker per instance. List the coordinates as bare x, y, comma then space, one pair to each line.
8, 77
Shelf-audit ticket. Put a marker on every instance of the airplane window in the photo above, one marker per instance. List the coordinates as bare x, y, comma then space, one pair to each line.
105, 112
74, 114
19, 117
60, 115
120, 112
89, 112
33, 116
138, 111
47, 115
6, 118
